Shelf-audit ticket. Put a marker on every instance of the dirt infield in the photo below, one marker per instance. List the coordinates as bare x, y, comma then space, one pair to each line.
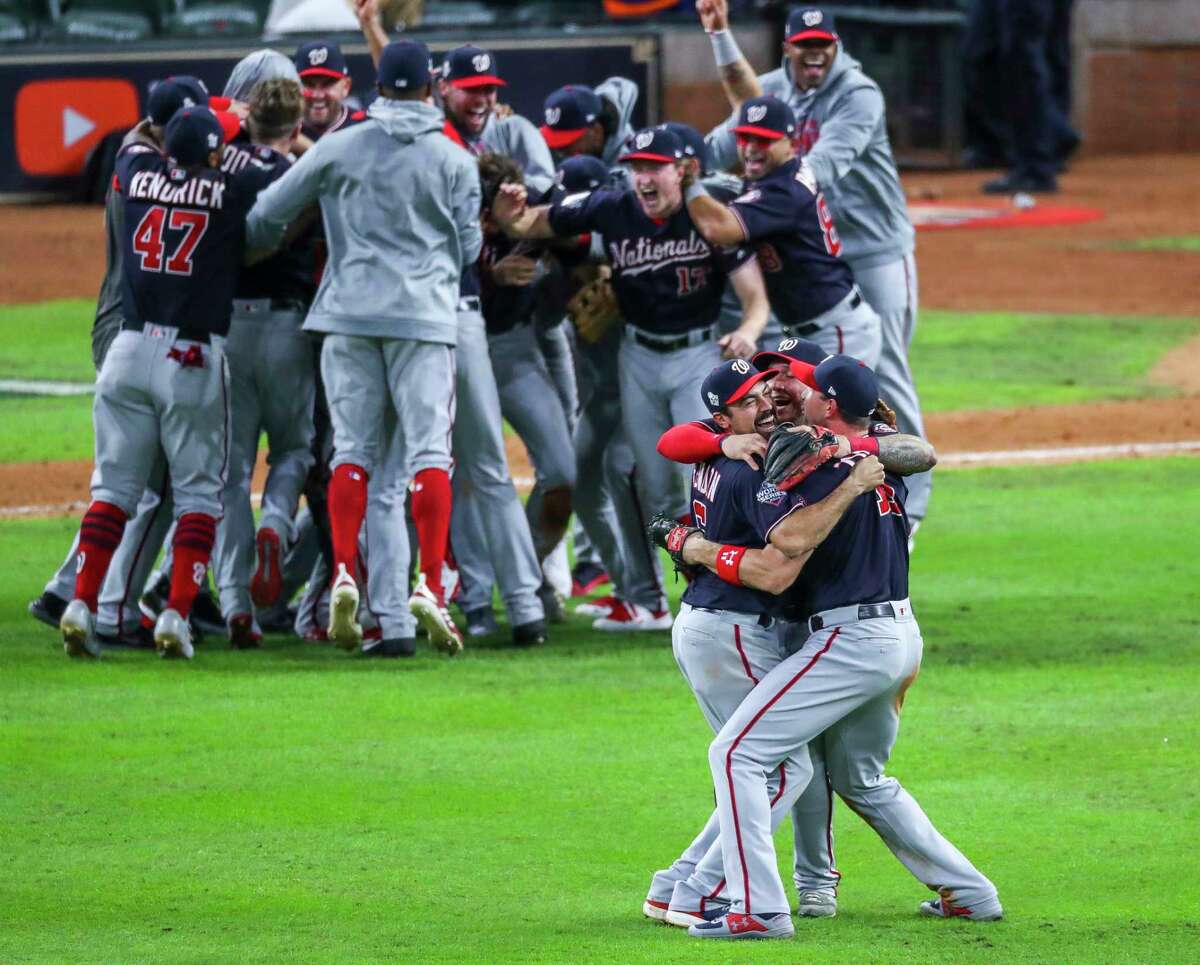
1077, 268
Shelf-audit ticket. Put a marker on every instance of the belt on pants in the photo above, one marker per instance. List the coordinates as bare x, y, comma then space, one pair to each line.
253, 306
764, 620
804, 331
657, 343
899, 610
155, 330
469, 303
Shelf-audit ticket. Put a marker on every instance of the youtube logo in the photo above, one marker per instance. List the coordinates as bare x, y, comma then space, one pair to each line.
58, 121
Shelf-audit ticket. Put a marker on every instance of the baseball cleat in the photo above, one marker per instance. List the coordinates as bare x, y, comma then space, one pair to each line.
432, 614
530, 634
397, 647
688, 907
481, 622
344, 629
586, 578
552, 603
140, 637
602, 606
945, 908
244, 634
736, 925
629, 617
206, 614
173, 636
817, 904
655, 910
267, 582
153, 600
78, 626
658, 898
48, 608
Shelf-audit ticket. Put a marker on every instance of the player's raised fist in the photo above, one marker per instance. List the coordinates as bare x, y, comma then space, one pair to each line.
509, 203
714, 14
737, 345
367, 11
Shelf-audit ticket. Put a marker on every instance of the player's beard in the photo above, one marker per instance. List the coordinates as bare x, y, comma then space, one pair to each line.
787, 409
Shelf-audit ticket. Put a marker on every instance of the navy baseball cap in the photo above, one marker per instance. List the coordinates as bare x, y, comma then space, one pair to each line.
191, 134
321, 58
172, 93
470, 66
767, 117
799, 354
404, 65
849, 382
654, 144
810, 23
568, 112
582, 173
730, 381
693, 142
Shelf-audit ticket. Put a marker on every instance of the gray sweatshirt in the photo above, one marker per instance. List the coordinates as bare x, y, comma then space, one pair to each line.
400, 202
843, 121
622, 93
515, 137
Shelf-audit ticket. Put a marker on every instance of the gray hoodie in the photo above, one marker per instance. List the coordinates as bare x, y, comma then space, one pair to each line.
261, 65
622, 93
851, 157
400, 202
515, 137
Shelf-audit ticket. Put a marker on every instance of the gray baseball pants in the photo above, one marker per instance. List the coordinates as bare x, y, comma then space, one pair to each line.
488, 529
851, 327
848, 680
891, 289
272, 386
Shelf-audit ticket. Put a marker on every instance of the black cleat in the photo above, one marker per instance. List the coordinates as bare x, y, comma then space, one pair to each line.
48, 608
206, 615
399, 647
139, 638
530, 634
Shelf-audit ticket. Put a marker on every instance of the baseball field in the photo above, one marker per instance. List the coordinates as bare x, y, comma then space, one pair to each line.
296, 804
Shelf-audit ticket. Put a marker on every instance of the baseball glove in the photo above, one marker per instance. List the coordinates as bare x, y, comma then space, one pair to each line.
671, 534
594, 309
792, 456
884, 413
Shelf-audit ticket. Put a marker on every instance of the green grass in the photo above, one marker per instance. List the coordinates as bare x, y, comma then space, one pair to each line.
298, 804
34, 428
1181, 243
49, 340
997, 360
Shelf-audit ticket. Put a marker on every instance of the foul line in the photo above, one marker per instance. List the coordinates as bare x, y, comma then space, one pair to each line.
954, 460
41, 387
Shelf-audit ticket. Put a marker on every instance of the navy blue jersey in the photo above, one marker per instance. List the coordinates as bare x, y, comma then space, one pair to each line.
183, 239
287, 274
789, 226
505, 306
667, 278
865, 557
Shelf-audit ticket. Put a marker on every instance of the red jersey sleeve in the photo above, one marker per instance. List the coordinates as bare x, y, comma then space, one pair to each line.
691, 442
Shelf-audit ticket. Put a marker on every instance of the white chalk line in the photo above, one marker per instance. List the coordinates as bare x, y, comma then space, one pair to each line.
954, 460
44, 387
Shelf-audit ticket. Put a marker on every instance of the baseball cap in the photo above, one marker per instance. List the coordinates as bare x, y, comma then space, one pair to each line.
404, 65
730, 381
172, 93
569, 111
191, 133
321, 58
799, 354
471, 66
582, 173
653, 144
809, 23
692, 140
849, 382
767, 117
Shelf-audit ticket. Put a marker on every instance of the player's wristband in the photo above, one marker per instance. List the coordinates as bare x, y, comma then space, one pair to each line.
725, 48
729, 561
867, 444
694, 190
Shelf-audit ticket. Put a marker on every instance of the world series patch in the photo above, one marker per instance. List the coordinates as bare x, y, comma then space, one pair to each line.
767, 493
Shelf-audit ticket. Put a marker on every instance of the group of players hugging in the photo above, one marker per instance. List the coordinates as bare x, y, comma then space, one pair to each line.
378, 290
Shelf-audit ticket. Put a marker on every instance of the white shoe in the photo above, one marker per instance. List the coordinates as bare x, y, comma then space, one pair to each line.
344, 629
659, 896
78, 626
737, 925
557, 569
602, 606
817, 904
432, 614
945, 908
629, 617
173, 636
689, 907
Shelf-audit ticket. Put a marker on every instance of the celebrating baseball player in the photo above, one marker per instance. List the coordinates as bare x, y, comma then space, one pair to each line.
387, 305
583, 121
842, 134
668, 282
166, 386
848, 679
